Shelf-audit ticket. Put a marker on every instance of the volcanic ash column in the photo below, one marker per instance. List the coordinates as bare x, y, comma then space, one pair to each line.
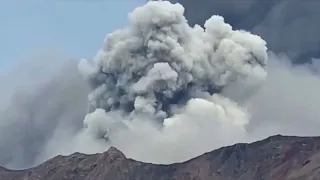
156, 85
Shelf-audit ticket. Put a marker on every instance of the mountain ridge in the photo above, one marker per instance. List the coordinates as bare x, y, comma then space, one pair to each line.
275, 158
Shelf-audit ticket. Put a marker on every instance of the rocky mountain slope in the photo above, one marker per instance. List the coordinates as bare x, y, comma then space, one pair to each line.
275, 158
289, 26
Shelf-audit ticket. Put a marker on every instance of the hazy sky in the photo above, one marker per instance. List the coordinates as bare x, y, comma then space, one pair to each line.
75, 28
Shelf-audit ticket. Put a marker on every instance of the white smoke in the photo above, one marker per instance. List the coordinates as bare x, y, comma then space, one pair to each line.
155, 84
162, 92
288, 101
40, 97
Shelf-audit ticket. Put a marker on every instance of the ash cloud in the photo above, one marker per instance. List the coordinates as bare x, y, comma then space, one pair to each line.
162, 92
289, 26
160, 56
288, 101
40, 96
162, 79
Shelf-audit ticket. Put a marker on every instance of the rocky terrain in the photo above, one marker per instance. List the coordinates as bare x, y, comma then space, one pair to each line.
289, 26
275, 158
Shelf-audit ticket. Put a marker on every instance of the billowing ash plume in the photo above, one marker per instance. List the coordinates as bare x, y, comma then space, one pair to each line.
159, 58
161, 74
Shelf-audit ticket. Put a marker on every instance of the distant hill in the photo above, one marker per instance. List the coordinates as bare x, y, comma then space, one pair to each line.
275, 158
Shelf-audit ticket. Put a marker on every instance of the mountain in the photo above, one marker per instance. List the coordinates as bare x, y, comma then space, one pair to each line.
275, 158
288, 26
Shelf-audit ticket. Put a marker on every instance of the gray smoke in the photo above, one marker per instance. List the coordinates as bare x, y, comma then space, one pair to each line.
41, 97
288, 101
161, 78
289, 26
162, 92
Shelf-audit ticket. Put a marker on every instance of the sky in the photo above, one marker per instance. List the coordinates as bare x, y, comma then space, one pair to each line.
73, 28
